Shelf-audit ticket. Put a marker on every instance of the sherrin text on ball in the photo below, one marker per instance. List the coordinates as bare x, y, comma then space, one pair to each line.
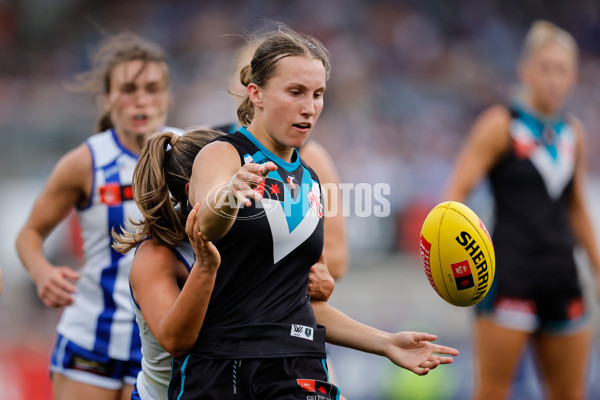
457, 253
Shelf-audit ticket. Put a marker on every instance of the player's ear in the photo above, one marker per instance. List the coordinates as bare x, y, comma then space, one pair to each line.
255, 94
187, 189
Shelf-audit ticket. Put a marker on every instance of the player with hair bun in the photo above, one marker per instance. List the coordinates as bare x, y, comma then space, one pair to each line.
261, 337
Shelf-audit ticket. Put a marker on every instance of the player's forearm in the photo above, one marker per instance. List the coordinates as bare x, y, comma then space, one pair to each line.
179, 328
584, 233
337, 259
217, 214
344, 331
29, 246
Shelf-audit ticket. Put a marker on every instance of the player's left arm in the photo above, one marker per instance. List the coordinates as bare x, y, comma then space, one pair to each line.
582, 226
410, 350
335, 244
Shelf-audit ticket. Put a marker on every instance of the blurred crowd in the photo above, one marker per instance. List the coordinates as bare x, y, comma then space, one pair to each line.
408, 76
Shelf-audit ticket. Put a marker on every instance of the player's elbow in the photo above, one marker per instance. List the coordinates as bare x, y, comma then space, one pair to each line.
177, 346
338, 266
211, 231
337, 261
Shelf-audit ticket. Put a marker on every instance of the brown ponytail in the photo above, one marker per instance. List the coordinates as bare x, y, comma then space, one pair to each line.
104, 123
159, 181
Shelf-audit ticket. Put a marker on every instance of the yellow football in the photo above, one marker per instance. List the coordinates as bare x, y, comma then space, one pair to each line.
457, 253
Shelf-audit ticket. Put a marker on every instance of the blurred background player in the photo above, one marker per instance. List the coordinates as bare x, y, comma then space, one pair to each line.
97, 353
172, 277
533, 153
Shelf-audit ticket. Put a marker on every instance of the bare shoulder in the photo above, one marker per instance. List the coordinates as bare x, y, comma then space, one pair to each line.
74, 169
494, 117
218, 151
317, 157
151, 257
492, 128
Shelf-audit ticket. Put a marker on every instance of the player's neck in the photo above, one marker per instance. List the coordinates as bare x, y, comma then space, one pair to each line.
130, 141
266, 139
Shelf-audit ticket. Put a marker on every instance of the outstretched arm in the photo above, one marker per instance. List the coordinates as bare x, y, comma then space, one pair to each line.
410, 350
221, 185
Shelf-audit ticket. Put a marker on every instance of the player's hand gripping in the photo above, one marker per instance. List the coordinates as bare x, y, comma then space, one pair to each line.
415, 352
207, 255
250, 176
320, 281
55, 286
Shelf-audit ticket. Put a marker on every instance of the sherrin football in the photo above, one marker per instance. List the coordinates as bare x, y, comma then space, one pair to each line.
457, 253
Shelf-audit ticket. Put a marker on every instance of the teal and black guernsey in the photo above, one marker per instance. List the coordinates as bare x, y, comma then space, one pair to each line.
533, 239
260, 306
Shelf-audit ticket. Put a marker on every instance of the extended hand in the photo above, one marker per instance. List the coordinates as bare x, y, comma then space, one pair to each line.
413, 351
243, 183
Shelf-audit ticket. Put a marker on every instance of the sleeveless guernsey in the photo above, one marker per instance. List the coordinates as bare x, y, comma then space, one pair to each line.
101, 319
533, 239
260, 305
153, 380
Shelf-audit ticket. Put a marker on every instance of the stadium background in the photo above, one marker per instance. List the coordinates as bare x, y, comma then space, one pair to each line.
408, 79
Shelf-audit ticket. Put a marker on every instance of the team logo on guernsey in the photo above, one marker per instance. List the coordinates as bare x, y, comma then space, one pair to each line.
463, 277
301, 331
293, 180
315, 204
113, 194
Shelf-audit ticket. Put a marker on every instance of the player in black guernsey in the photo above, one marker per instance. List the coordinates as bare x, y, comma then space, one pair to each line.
533, 153
262, 208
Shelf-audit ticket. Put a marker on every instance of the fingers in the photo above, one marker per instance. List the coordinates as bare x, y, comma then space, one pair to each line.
268, 166
191, 221
423, 337
57, 291
207, 255
243, 193
444, 360
429, 364
420, 371
71, 275
247, 179
444, 350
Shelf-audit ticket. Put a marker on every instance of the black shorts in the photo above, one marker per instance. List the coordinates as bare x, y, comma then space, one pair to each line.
297, 378
555, 313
